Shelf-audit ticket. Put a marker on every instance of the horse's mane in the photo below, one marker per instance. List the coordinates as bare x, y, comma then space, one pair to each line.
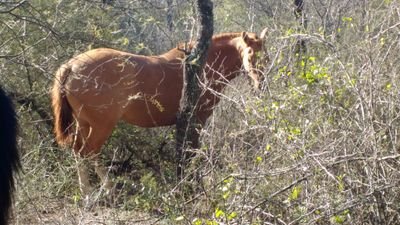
218, 37
185, 47
226, 36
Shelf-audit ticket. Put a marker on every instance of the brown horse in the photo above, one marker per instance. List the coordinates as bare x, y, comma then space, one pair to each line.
98, 88
9, 156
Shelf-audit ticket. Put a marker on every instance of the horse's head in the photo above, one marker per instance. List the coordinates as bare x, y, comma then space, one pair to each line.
249, 45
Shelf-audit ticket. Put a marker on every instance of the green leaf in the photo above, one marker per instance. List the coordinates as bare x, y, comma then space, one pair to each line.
296, 191
210, 222
226, 195
219, 213
295, 131
347, 19
228, 180
388, 86
341, 185
339, 219
232, 215
125, 41
197, 221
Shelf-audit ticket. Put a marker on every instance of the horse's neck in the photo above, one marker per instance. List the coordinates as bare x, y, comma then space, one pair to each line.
223, 64
223, 61
173, 55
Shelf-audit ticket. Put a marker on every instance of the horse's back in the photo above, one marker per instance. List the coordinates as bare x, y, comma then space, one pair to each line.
142, 90
110, 67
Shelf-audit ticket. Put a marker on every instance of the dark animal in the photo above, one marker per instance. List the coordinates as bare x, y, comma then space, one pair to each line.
9, 157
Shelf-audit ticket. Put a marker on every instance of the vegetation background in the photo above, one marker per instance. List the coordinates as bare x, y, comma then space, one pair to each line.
319, 144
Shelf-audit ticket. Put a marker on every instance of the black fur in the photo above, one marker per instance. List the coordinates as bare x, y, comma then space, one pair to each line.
9, 157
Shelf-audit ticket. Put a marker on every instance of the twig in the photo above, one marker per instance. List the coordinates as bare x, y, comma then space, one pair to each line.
278, 192
18, 4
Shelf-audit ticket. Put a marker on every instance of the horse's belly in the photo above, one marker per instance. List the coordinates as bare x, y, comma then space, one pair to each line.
150, 114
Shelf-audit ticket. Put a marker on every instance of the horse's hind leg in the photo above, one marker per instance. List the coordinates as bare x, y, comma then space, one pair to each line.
82, 132
96, 139
88, 144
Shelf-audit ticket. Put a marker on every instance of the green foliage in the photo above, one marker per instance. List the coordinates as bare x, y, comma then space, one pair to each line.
341, 184
312, 72
295, 194
341, 218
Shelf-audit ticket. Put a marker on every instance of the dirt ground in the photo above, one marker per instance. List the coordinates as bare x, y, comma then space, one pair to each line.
62, 212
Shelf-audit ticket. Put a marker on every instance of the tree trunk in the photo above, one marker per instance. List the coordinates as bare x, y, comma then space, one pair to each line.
300, 16
187, 125
170, 23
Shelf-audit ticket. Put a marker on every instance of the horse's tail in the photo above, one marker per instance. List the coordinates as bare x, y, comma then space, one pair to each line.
61, 108
9, 156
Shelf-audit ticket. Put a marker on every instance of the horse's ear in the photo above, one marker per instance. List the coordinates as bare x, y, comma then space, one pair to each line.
245, 37
263, 33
